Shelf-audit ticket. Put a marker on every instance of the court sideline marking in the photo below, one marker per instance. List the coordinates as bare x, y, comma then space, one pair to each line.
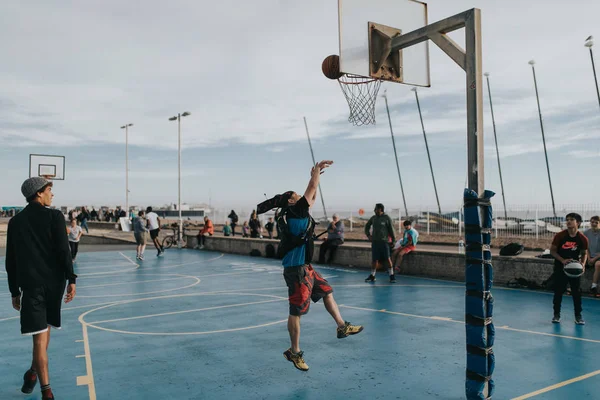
506, 328
557, 386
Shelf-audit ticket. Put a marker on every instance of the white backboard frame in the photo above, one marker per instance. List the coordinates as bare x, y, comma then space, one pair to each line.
406, 15
45, 164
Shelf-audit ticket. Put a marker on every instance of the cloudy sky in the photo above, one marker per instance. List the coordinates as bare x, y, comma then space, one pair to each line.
73, 72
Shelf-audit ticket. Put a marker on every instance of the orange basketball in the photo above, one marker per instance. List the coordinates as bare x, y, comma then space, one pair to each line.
331, 67
361, 212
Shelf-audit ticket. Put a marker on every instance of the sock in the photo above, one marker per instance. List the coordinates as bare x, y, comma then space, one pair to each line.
47, 391
594, 285
391, 271
373, 271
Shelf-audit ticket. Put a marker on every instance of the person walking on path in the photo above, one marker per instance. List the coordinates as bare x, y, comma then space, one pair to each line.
75, 233
139, 232
233, 221
153, 224
38, 267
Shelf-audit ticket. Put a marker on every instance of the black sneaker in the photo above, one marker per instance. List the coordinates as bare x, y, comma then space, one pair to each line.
371, 278
556, 319
594, 291
579, 320
392, 278
29, 381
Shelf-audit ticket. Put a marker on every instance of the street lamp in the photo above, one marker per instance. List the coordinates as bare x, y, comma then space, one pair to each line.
126, 127
178, 119
532, 63
487, 77
589, 43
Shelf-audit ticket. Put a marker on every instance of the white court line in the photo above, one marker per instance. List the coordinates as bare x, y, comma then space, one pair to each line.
127, 258
131, 283
68, 308
183, 312
89, 378
557, 386
227, 273
144, 293
101, 266
192, 263
446, 319
82, 316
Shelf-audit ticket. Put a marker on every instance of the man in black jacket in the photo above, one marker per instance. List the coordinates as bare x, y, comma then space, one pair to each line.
38, 266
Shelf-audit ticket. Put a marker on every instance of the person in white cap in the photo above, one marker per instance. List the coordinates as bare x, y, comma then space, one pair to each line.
38, 266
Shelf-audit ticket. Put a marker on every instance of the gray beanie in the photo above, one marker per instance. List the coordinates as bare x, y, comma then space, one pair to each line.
33, 185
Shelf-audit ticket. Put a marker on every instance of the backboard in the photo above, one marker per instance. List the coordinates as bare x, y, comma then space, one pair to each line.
356, 18
47, 166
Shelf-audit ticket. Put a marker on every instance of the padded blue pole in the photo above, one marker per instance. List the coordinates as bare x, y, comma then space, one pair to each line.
479, 302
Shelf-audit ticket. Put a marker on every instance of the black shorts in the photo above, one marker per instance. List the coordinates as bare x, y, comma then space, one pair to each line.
154, 233
380, 251
304, 284
40, 308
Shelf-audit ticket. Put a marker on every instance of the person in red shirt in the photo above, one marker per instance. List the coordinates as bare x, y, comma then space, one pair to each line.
208, 230
568, 246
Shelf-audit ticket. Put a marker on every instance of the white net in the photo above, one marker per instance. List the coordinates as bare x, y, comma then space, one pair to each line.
361, 94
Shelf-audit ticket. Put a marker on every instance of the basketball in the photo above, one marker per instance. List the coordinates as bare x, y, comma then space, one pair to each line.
361, 212
573, 269
331, 67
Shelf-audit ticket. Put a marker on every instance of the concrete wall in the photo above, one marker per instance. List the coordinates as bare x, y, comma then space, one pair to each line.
429, 264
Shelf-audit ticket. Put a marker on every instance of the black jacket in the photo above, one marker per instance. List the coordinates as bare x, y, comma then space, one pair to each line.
37, 249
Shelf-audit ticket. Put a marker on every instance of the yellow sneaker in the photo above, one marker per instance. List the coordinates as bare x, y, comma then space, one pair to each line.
296, 359
348, 329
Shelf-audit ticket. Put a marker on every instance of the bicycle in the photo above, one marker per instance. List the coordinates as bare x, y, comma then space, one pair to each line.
170, 240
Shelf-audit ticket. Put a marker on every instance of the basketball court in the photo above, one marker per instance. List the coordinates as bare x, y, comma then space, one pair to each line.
206, 325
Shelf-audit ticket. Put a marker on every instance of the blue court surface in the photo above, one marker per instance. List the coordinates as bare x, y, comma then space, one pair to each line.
204, 325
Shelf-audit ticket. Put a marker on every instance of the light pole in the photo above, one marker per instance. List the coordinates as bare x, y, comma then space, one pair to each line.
178, 119
537, 96
589, 43
126, 127
414, 89
487, 77
315, 163
395, 154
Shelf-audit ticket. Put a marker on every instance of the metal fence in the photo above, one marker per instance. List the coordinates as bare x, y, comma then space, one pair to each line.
535, 221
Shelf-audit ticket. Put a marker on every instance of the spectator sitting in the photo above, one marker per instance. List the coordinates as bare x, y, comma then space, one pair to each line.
245, 229
335, 238
227, 229
208, 230
406, 245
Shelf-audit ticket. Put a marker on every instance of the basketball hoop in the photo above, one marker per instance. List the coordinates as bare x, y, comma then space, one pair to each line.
361, 94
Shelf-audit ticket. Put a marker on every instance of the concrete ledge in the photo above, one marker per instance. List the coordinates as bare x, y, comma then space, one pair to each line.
430, 264
95, 239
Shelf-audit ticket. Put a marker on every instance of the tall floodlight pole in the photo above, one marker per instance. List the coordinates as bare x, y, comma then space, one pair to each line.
487, 77
395, 154
537, 96
178, 119
315, 163
427, 148
589, 43
126, 127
